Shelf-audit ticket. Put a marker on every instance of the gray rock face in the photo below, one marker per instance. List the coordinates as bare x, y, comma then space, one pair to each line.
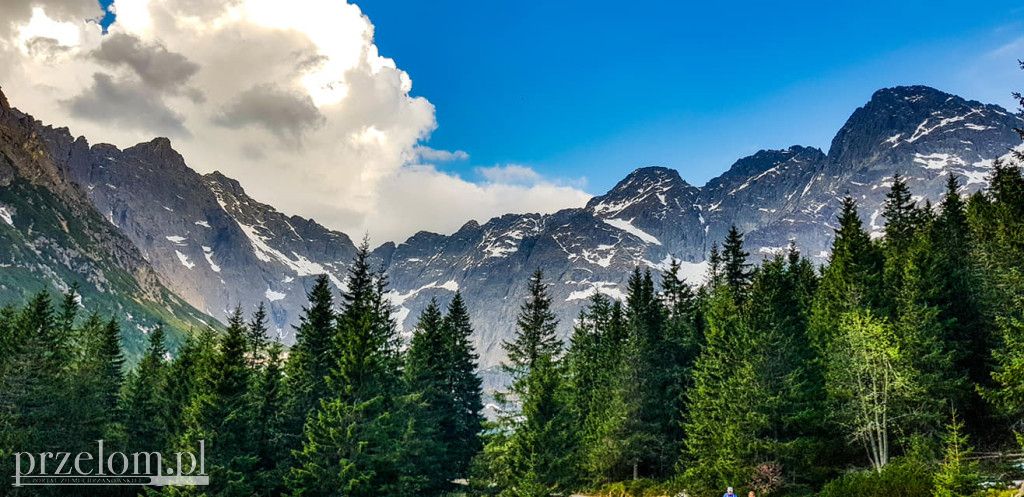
52, 236
217, 247
213, 244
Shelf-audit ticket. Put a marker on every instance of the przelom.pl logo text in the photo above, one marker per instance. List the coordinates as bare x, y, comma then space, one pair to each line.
110, 468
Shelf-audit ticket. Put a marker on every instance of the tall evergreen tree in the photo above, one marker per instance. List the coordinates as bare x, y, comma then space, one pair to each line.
256, 336
100, 378
426, 375
312, 357
366, 341
536, 327
901, 214
191, 370
850, 281
463, 442
267, 426
365, 439
144, 397
788, 371
221, 414
715, 273
726, 413
737, 273
538, 451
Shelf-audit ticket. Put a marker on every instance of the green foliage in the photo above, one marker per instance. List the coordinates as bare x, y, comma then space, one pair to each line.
536, 335
725, 405
903, 478
440, 367
636, 488
957, 476
869, 378
537, 455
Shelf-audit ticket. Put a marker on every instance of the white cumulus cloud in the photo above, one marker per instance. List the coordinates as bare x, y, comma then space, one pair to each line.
292, 98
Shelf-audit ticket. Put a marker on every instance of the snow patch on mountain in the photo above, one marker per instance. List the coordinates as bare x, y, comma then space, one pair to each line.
184, 260
300, 265
274, 296
693, 273
6, 215
601, 256
923, 129
398, 299
208, 253
628, 227
606, 287
937, 160
177, 240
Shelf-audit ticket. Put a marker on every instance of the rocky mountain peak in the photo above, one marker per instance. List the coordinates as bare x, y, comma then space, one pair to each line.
910, 119
229, 185
765, 160
5, 107
647, 187
158, 151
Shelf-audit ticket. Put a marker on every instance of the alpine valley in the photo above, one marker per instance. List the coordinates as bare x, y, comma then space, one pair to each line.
141, 231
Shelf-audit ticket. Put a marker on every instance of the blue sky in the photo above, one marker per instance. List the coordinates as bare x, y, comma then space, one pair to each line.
595, 89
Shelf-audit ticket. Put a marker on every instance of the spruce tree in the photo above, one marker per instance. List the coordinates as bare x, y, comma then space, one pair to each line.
957, 474
715, 271
143, 399
222, 414
463, 442
726, 404
267, 426
652, 365
536, 325
366, 341
100, 377
737, 273
190, 369
34, 381
426, 376
901, 215
312, 357
256, 336
850, 281
787, 368
365, 438
538, 451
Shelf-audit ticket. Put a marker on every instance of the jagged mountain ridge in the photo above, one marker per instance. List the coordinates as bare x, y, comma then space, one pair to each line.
217, 247
53, 237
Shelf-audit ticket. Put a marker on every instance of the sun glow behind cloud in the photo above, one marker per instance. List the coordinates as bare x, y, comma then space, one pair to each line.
292, 98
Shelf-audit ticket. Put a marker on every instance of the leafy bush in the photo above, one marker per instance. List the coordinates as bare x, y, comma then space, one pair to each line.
635, 488
902, 478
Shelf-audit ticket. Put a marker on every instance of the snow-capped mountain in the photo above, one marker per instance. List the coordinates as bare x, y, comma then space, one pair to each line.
217, 247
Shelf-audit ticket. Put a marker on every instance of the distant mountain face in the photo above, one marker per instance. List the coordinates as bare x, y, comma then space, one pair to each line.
217, 247
52, 237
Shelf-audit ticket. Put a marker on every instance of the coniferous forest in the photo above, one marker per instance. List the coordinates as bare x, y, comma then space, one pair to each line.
897, 369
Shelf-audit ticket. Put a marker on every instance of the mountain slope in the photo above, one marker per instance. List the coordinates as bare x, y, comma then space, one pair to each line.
54, 237
213, 244
217, 247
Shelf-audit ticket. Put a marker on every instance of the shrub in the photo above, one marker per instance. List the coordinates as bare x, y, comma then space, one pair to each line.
635, 488
902, 478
